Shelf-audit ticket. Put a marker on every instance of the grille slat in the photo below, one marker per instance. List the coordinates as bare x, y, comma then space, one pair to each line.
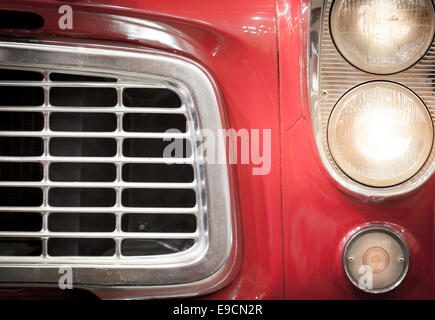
54, 134
96, 235
97, 159
73, 84
134, 185
115, 109
86, 122
159, 210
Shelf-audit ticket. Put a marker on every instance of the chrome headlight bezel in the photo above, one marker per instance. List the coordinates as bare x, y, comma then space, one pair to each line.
330, 76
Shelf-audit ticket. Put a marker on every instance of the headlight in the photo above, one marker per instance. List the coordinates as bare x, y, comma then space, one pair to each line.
376, 259
380, 134
382, 36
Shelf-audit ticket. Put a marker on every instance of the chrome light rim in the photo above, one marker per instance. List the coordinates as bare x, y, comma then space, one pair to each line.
354, 175
383, 70
379, 228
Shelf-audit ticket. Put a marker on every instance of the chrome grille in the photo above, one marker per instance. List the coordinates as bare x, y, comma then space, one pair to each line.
96, 144
83, 181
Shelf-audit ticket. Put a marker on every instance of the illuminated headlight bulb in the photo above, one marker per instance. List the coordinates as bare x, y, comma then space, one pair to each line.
382, 36
380, 134
376, 259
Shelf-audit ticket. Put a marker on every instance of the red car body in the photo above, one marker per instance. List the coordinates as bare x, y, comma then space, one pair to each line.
294, 219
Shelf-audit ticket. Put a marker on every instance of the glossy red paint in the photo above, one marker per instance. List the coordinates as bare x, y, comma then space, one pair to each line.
317, 216
294, 219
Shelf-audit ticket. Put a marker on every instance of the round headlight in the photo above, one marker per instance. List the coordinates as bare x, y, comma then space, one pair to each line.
382, 36
380, 134
376, 259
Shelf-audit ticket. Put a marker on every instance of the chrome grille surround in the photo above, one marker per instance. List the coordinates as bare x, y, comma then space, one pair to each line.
330, 76
204, 267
